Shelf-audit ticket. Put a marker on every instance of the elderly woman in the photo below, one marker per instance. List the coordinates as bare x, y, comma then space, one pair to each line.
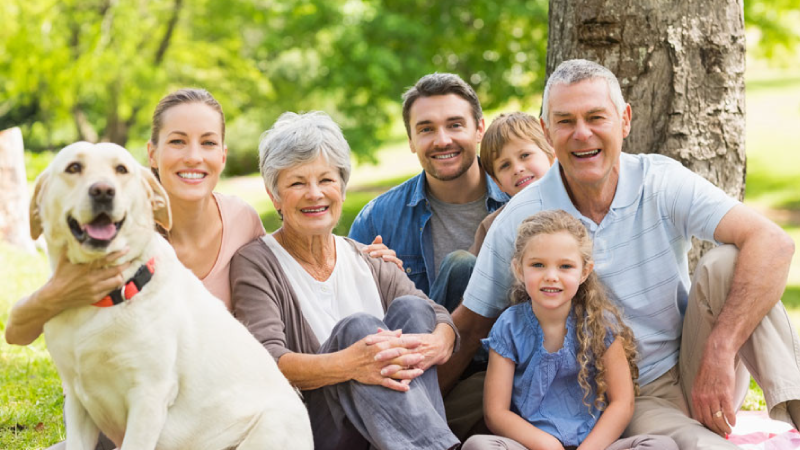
325, 311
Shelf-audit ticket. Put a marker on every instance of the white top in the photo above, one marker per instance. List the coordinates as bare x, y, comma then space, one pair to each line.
350, 289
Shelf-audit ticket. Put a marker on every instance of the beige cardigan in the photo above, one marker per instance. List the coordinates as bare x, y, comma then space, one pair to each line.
264, 301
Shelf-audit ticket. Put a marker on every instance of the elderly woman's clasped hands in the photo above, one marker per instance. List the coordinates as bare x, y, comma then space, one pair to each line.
392, 359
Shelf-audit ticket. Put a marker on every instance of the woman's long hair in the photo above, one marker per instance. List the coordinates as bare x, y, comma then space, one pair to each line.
594, 312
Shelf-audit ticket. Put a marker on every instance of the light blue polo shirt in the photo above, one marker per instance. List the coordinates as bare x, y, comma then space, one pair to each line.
640, 248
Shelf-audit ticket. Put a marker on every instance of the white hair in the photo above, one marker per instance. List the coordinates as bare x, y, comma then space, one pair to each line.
297, 139
576, 70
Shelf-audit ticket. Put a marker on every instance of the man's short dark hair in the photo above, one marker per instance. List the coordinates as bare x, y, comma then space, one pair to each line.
440, 84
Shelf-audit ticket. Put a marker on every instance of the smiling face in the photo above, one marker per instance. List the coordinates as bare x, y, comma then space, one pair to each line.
310, 198
190, 154
551, 269
586, 131
519, 163
94, 199
444, 135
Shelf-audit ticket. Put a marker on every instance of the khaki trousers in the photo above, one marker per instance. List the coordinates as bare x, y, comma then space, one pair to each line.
771, 355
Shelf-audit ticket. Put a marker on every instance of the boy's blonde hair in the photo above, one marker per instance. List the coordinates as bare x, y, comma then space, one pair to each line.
594, 312
504, 128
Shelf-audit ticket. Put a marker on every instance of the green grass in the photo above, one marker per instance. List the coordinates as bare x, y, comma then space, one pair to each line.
30, 390
773, 159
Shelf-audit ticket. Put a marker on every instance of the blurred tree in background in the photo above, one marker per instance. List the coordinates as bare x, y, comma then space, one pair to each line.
95, 69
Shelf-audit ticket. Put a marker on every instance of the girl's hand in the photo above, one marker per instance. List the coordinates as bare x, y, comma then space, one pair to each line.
377, 249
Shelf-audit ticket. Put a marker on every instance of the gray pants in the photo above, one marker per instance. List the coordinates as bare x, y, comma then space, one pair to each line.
488, 442
352, 415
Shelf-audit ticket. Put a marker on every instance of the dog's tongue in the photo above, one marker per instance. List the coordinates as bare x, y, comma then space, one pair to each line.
101, 229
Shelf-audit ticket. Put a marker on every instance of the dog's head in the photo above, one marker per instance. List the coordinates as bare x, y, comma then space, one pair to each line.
94, 199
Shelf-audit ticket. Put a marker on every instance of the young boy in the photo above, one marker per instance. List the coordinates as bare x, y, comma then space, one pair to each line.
515, 153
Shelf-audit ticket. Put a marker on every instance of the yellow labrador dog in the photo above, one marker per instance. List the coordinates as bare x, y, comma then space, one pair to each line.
159, 363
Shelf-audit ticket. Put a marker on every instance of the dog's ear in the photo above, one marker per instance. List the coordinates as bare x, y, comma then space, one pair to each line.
34, 213
159, 201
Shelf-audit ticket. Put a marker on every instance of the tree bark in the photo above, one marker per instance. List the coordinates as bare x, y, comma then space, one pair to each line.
681, 67
14, 223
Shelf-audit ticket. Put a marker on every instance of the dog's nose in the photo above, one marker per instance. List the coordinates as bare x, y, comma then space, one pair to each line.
101, 192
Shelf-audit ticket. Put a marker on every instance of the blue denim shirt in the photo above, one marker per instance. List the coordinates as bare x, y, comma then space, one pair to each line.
545, 392
401, 216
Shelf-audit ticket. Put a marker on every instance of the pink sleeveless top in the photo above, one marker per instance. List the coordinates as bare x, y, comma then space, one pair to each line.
240, 225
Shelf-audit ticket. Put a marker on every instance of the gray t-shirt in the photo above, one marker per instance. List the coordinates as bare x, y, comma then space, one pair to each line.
453, 226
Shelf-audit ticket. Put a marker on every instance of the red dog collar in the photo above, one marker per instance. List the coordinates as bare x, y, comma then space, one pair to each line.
131, 287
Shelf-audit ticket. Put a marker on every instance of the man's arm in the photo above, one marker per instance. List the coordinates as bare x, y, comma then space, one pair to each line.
472, 327
759, 279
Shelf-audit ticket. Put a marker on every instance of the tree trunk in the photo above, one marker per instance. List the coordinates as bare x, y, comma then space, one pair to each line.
681, 67
14, 224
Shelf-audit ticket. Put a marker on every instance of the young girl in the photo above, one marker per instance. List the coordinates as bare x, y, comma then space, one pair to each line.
562, 365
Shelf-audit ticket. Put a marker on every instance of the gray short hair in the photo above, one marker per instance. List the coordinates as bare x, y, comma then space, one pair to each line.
297, 139
576, 70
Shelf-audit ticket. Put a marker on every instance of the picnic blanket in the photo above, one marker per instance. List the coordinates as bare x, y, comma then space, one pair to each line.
754, 430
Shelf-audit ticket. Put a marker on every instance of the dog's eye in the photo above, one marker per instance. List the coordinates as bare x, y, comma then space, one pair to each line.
122, 169
74, 168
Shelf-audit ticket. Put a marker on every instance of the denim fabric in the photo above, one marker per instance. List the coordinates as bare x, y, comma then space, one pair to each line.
352, 415
402, 217
453, 277
545, 392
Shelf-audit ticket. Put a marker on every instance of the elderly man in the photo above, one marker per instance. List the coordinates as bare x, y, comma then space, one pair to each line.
694, 338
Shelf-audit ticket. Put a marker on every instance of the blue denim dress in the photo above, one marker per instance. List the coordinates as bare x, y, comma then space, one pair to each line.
546, 392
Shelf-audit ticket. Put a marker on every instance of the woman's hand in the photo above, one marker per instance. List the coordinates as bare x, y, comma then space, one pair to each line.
70, 286
432, 348
75, 285
377, 249
395, 369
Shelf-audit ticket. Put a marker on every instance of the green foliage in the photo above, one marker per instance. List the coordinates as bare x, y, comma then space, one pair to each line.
775, 22
35, 163
94, 69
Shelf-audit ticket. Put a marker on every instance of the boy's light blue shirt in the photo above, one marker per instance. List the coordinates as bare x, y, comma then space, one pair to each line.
640, 248
402, 217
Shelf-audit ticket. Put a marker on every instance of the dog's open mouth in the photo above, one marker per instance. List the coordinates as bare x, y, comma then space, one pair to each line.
97, 233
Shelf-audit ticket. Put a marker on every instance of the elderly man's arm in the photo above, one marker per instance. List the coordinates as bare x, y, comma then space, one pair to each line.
759, 279
472, 327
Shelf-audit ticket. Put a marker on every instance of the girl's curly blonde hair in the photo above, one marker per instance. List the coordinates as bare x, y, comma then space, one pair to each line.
592, 307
